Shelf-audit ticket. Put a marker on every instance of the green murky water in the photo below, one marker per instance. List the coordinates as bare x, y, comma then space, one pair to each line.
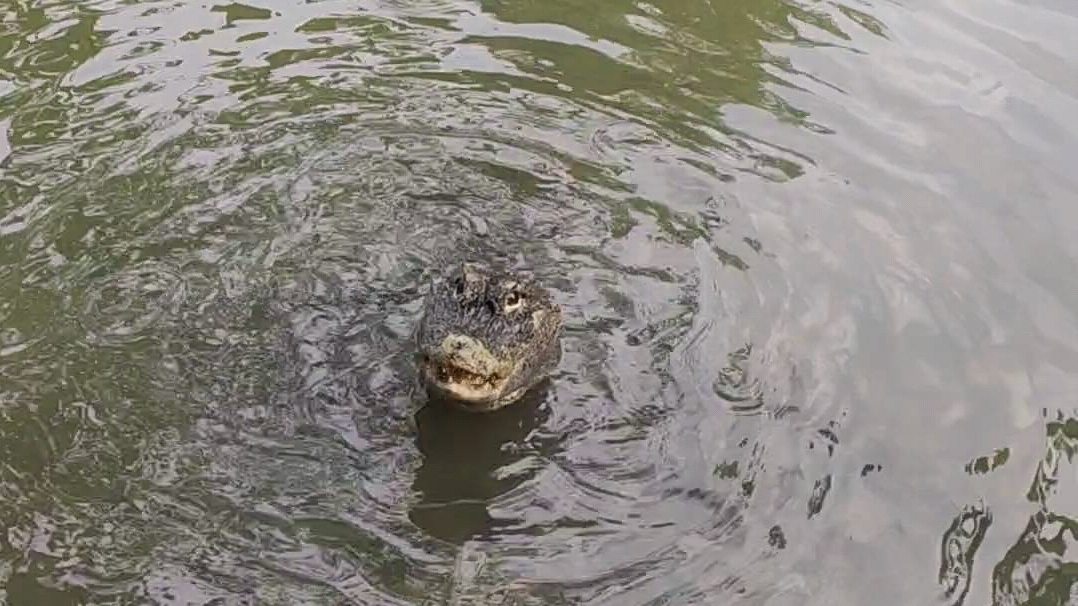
819, 263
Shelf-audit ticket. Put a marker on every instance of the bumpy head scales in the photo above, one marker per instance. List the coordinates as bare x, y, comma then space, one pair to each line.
486, 337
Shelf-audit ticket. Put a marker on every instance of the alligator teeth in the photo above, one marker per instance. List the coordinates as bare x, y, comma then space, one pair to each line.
453, 374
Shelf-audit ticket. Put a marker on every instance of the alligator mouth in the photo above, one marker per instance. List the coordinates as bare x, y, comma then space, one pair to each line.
447, 373
462, 368
461, 383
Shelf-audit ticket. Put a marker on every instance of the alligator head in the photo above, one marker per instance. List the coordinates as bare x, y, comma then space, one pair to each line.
487, 337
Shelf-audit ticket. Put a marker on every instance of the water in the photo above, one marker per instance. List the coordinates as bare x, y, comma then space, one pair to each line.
818, 264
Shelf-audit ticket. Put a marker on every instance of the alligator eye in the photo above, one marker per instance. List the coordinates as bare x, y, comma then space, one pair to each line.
512, 302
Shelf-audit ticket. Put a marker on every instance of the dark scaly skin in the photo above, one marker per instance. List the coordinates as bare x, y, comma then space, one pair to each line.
502, 328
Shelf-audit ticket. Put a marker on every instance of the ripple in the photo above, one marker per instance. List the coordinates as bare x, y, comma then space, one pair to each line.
133, 302
794, 244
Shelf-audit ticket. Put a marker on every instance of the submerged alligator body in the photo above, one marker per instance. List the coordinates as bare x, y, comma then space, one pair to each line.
487, 337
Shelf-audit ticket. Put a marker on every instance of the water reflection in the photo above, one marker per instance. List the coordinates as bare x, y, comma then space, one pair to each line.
796, 243
960, 543
1041, 567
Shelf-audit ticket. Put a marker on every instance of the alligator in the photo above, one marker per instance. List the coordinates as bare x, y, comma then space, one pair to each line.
486, 337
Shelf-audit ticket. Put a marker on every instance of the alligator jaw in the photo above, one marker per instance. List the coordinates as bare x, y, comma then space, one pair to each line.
464, 370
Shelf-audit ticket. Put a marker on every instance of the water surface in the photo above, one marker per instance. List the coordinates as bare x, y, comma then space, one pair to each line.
817, 260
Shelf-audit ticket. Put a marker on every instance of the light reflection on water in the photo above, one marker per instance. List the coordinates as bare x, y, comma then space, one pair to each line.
815, 260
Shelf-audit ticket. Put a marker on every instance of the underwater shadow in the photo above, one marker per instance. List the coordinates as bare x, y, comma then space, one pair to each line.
462, 453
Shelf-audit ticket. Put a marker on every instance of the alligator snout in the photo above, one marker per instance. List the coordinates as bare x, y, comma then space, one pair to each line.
468, 353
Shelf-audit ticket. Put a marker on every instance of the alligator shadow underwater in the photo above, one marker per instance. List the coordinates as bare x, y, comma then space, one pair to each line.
462, 453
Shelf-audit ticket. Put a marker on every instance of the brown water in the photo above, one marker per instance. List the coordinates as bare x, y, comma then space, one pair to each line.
819, 263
